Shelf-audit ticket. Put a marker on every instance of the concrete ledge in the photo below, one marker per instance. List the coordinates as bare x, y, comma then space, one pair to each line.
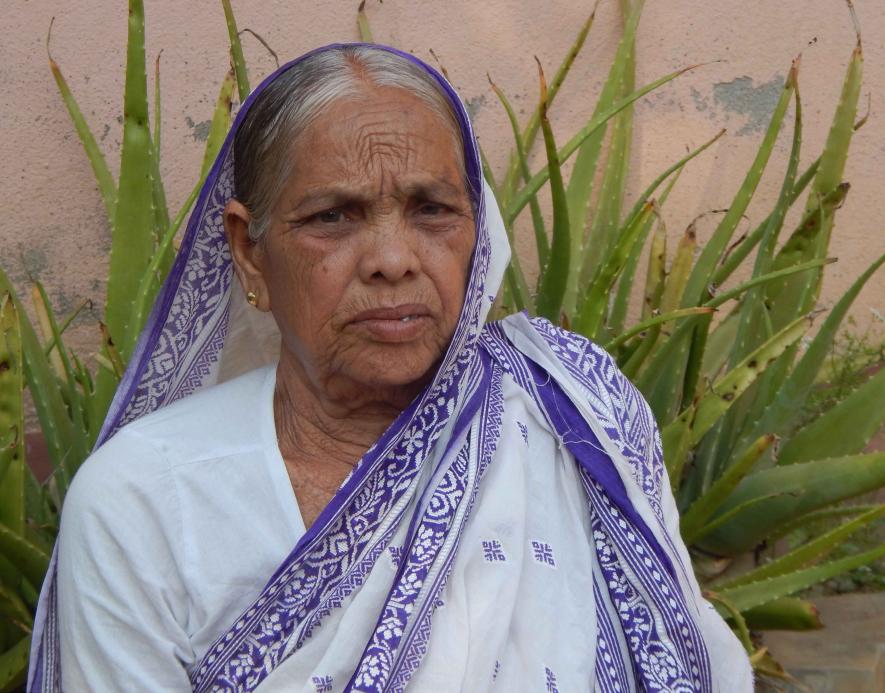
846, 656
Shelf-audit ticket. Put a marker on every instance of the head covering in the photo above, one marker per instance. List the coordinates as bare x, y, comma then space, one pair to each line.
417, 494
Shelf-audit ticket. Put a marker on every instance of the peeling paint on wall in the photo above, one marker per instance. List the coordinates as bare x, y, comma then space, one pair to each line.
741, 97
700, 101
200, 130
474, 105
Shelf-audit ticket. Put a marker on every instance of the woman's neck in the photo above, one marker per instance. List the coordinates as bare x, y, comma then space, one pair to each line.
322, 437
329, 421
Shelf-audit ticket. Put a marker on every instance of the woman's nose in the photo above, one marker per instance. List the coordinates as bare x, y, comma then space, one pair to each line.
390, 253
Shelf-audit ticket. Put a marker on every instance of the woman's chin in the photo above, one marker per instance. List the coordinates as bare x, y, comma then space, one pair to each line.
395, 369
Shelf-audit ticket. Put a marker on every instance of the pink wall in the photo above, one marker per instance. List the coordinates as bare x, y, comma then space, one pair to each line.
52, 224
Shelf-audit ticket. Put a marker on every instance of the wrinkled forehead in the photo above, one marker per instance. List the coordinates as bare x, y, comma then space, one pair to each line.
472, 167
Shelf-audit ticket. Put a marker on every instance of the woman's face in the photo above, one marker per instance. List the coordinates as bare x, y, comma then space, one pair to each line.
364, 265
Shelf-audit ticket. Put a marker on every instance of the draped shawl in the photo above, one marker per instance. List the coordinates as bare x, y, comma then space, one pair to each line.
413, 498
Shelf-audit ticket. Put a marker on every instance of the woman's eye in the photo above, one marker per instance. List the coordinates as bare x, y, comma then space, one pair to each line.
432, 209
330, 216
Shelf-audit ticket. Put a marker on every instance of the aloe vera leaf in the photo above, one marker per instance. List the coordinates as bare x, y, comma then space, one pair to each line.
718, 342
662, 381
236, 51
764, 663
161, 210
703, 507
769, 387
731, 612
701, 416
680, 269
676, 441
80, 443
837, 512
790, 297
800, 245
12, 424
591, 310
661, 377
551, 287
835, 154
221, 119
750, 330
655, 320
103, 177
14, 664
748, 334
619, 307
158, 267
362, 24
48, 403
696, 288
618, 313
521, 198
691, 381
779, 416
726, 389
541, 244
132, 240
607, 214
809, 552
764, 591
488, 173
619, 83
862, 413
30, 559
41, 313
662, 384
14, 609
801, 293
630, 367
729, 515
50, 344
508, 186
740, 251
10, 575
786, 613
767, 278
111, 353
811, 485
79, 449
655, 272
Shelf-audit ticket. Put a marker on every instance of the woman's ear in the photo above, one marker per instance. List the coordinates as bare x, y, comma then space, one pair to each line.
247, 255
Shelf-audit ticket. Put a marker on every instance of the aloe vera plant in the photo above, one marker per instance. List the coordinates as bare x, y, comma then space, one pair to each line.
721, 369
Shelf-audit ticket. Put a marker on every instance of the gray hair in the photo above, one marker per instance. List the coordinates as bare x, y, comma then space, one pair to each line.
288, 105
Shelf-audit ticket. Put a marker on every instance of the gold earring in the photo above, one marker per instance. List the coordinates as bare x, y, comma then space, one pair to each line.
252, 298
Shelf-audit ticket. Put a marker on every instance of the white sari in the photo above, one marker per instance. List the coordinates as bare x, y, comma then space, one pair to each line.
513, 529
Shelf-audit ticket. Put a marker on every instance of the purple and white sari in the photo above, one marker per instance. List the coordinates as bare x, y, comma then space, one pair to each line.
513, 529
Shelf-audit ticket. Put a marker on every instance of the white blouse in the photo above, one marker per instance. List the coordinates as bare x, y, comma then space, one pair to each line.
168, 532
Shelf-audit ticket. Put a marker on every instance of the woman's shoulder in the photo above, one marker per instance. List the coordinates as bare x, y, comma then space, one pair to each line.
585, 360
213, 422
616, 403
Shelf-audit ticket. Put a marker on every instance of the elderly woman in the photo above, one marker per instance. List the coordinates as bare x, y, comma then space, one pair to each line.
330, 474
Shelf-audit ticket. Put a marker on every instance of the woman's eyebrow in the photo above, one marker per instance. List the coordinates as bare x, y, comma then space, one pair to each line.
431, 188
332, 196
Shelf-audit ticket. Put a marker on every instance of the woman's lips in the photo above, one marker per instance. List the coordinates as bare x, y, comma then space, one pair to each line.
395, 324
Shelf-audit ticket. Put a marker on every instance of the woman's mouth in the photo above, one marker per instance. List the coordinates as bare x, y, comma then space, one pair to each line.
395, 324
